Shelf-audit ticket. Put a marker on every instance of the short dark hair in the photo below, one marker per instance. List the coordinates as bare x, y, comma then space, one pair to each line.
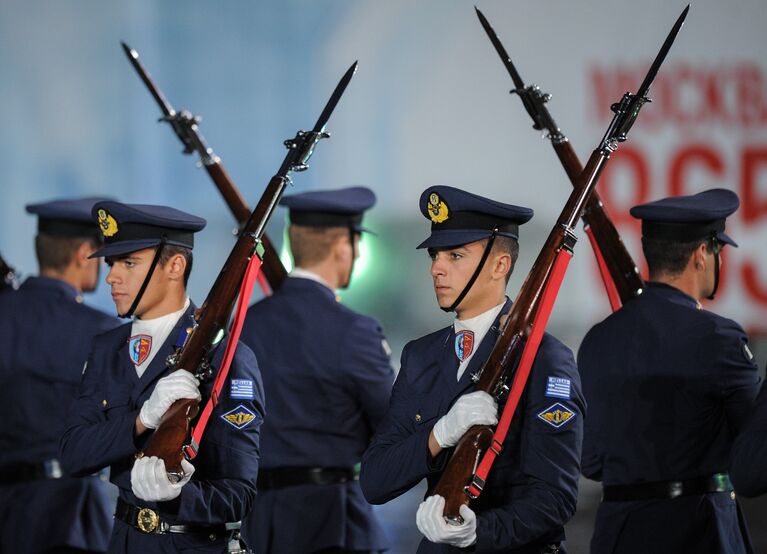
311, 245
169, 251
669, 257
55, 252
510, 246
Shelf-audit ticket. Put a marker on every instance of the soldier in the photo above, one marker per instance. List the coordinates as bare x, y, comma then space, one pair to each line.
45, 334
328, 378
532, 489
127, 388
669, 386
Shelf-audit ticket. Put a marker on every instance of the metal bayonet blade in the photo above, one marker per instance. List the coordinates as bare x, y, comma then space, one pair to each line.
645, 86
165, 106
334, 98
501, 50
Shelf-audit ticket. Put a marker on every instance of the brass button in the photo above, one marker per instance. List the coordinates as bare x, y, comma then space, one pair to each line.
732, 495
418, 418
104, 402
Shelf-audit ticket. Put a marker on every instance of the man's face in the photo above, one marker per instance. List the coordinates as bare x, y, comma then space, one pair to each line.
451, 270
125, 277
92, 271
349, 253
710, 276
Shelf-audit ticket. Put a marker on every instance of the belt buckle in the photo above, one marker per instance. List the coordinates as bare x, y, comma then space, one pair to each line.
147, 520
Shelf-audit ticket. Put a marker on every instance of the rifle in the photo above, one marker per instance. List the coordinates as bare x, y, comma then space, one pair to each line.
185, 125
619, 272
8, 279
170, 441
464, 475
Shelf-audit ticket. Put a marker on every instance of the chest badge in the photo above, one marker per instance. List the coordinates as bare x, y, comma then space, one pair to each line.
464, 344
239, 417
139, 347
557, 415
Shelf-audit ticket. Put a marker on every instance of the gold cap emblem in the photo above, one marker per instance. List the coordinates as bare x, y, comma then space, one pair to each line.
437, 208
107, 224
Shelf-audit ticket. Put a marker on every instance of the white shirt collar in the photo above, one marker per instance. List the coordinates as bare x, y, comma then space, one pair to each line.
302, 273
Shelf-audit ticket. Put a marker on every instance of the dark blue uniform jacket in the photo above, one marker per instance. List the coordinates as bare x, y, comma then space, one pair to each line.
748, 467
532, 489
669, 386
100, 433
45, 335
328, 378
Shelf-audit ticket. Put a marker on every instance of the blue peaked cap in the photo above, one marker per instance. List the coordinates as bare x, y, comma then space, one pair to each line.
127, 228
688, 218
459, 217
330, 208
70, 217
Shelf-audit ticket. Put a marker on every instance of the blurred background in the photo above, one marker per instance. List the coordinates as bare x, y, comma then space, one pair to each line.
429, 104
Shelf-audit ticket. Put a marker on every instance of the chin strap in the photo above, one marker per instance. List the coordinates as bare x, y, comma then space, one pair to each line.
717, 248
144, 285
477, 271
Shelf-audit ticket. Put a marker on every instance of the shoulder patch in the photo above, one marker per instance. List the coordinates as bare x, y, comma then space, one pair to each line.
242, 389
558, 387
239, 418
557, 415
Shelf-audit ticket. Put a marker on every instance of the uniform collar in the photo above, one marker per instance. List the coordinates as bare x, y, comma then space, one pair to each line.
50, 283
303, 280
674, 294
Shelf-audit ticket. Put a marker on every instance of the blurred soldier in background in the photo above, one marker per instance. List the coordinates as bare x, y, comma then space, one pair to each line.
45, 337
328, 378
669, 386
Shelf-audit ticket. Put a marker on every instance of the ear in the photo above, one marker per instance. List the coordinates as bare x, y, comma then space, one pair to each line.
699, 256
501, 265
85, 249
176, 267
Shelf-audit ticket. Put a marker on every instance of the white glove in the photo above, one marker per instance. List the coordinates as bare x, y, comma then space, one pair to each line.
476, 408
177, 385
149, 480
431, 523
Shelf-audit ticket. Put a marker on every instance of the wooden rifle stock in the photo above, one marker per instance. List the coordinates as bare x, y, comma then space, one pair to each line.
497, 369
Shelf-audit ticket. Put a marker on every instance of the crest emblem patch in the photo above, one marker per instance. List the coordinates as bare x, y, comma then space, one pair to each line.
557, 415
107, 223
239, 417
438, 211
464, 344
139, 347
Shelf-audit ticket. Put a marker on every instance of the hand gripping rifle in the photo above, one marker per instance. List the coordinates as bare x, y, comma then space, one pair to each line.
171, 441
185, 125
619, 272
8, 280
466, 471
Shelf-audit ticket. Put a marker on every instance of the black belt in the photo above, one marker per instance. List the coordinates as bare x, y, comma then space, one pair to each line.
280, 477
24, 472
719, 482
148, 521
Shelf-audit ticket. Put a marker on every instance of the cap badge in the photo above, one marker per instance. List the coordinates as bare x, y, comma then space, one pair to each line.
437, 208
107, 223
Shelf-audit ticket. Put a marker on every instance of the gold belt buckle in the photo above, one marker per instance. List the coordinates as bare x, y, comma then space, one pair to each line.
147, 520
